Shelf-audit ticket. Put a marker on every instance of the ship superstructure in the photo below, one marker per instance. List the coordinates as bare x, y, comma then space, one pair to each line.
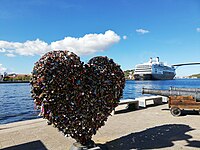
154, 70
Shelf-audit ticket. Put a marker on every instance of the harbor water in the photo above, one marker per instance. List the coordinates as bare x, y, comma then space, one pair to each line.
16, 103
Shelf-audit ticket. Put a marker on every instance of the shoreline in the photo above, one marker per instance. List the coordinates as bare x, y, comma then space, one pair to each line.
3, 82
150, 128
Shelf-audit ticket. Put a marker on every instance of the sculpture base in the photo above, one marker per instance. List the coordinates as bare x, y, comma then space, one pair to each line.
79, 146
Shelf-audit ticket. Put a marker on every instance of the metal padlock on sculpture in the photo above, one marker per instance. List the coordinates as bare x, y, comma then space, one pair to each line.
78, 98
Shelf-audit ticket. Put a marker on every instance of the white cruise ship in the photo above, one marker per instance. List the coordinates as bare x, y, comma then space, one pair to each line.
154, 70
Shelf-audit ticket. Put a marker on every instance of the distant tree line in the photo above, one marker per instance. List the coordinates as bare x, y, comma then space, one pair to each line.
17, 78
129, 74
195, 76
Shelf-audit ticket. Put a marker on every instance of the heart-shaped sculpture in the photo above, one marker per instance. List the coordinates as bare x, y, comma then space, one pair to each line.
76, 98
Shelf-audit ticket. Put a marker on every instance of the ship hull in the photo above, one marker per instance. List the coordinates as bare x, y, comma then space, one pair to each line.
163, 76
153, 76
143, 76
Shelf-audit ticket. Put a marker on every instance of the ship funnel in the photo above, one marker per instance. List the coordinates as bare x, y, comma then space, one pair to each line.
150, 60
157, 59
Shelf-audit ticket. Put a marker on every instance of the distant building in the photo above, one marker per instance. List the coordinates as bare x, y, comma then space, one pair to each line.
130, 75
12, 75
5, 74
1, 77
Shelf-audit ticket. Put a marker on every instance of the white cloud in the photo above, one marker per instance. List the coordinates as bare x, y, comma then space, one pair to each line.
26, 48
90, 43
2, 69
124, 37
142, 31
10, 55
2, 50
198, 29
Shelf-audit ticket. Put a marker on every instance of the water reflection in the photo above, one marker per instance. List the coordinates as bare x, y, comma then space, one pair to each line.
133, 88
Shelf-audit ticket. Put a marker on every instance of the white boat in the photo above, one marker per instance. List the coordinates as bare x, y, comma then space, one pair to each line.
154, 70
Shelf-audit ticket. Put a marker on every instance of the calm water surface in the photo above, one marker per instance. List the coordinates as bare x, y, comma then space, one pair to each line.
133, 88
16, 103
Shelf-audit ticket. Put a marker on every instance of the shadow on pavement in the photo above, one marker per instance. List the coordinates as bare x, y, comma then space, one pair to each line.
154, 138
34, 145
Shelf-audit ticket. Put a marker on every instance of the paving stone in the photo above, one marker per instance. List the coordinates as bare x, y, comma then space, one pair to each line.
181, 132
7, 143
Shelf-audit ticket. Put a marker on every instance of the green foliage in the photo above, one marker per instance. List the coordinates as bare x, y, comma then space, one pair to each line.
127, 73
195, 76
6, 79
18, 78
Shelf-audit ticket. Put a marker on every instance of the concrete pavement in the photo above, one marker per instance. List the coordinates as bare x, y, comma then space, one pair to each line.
150, 128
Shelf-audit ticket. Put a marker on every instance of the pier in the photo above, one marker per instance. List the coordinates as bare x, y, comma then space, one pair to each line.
141, 102
150, 128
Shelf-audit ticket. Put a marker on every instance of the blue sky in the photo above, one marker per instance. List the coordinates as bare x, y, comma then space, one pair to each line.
129, 31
